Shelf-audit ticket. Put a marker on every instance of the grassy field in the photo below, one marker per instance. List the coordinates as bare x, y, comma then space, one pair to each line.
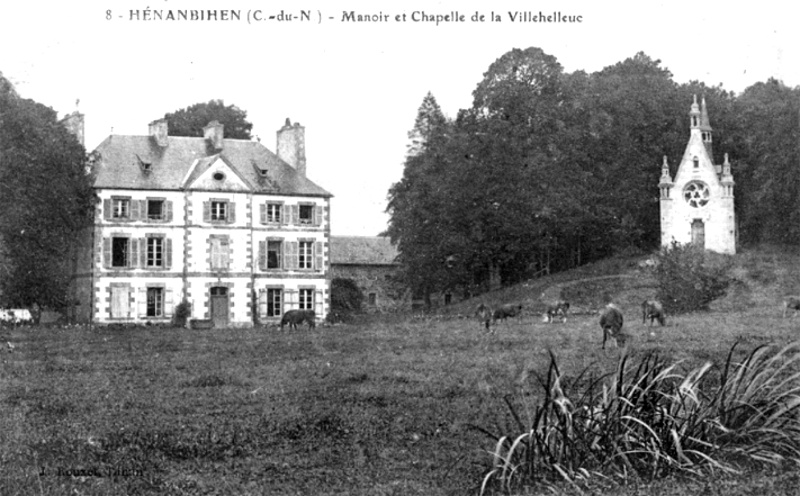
379, 407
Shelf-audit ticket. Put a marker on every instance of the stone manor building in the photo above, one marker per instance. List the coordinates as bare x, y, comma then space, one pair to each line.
235, 230
697, 207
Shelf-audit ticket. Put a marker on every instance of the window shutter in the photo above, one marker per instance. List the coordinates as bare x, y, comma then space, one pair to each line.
168, 304
168, 253
225, 244
143, 210
318, 212
106, 253
318, 302
263, 213
142, 304
262, 303
135, 210
281, 256
137, 250
291, 255
291, 299
283, 214
168, 211
295, 215
318, 260
206, 211
262, 255
231, 213
107, 209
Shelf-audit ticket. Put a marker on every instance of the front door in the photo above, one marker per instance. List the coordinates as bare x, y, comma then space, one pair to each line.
219, 306
698, 233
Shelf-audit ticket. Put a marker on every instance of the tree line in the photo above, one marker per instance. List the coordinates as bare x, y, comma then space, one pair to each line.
548, 170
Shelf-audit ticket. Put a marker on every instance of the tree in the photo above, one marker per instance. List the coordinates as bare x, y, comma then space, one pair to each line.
418, 221
46, 201
191, 120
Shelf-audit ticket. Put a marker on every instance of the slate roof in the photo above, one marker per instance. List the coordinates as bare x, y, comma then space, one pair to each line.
119, 159
362, 250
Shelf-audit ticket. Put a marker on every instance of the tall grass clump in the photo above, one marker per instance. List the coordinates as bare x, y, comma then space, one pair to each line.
650, 419
689, 278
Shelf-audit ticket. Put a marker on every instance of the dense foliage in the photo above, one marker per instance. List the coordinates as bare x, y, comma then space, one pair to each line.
549, 170
191, 120
46, 200
690, 278
346, 298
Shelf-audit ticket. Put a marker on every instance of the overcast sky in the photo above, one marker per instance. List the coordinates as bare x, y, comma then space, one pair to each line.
356, 86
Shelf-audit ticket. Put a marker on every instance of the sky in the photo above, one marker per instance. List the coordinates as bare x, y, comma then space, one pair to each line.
356, 86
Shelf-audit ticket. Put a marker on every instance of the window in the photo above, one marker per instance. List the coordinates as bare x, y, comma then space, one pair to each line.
155, 252
155, 301
696, 162
306, 299
274, 297
120, 252
696, 194
274, 254
121, 208
372, 298
155, 210
274, 213
448, 298
220, 252
219, 210
305, 255
306, 214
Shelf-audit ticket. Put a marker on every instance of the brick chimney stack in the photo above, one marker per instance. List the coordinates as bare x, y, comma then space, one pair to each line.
291, 146
214, 133
158, 130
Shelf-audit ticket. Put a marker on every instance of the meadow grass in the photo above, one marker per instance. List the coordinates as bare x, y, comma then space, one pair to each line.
396, 405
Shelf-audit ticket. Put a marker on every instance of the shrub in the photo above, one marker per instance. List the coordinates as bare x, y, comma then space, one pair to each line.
182, 313
690, 278
346, 298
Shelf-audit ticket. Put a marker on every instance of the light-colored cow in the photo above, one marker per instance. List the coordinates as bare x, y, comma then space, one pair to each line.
559, 308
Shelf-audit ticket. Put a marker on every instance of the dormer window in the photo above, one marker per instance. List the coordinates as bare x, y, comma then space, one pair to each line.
145, 166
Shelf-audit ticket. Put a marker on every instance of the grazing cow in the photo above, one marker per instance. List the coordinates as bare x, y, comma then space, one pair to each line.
653, 310
505, 311
791, 303
485, 313
611, 322
294, 317
559, 308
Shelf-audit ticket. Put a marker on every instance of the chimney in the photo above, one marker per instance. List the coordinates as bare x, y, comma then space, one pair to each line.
74, 124
158, 130
214, 133
292, 146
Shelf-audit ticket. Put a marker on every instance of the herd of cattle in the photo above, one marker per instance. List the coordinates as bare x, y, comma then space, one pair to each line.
611, 318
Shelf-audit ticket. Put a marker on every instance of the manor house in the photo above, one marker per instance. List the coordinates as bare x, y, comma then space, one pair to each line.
233, 229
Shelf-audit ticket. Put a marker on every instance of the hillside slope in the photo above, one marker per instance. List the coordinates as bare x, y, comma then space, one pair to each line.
762, 277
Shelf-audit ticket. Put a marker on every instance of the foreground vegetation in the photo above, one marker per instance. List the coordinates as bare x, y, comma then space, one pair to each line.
401, 405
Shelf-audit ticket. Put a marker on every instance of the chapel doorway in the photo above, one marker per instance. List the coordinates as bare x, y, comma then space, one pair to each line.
698, 233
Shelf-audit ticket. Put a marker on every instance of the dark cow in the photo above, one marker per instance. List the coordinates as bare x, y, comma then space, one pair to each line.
505, 311
559, 308
295, 317
485, 313
791, 303
653, 310
611, 322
